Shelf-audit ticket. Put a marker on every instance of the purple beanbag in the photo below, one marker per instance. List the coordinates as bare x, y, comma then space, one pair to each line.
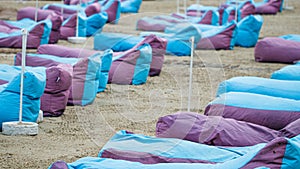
113, 10
222, 40
92, 9
12, 36
270, 7
206, 16
56, 19
55, 97
158, 46
219, 131
132, 66
247, 9
69, 28
274, 49
152, 24
63, 51
85, 74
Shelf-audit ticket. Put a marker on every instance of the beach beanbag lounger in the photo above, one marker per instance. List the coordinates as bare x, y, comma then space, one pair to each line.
67, 10
95, 23
279, 153
217, 37
127, 150
130, 6
131, 66
268, 7
58, 81
269, 111
271, 87
209, 14
113, 10
205, 18
121, 42
68, 28
152, 24
178, 38
227, 10
68, 52
111, 7
275, 49
85, 79
75, 2
290, 72
91, 19
216, 130
55, 17
11, 35
248, 31
292, 37
34, 85
57, 91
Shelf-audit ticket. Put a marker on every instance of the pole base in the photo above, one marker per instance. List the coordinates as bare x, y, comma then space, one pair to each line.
77, 40
288, 8
19, 128
41, 117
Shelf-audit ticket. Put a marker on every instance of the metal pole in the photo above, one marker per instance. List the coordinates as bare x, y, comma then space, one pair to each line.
77, 21
36, 10
236, 10
62, 8
177, 6
198, 10
24, 44
191, 72
184, 7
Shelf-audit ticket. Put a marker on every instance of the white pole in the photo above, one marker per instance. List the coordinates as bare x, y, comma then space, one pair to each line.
77, 21
36, 10
24, 44
236, 10
191, 72
184, 7
178, 6
62, 9
198, 10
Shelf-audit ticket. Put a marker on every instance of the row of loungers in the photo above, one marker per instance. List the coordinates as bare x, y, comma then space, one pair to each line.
245, 33
74, 76
51, 25
227, 11
127, 6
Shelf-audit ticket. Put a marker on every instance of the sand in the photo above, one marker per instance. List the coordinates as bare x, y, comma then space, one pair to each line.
82, 131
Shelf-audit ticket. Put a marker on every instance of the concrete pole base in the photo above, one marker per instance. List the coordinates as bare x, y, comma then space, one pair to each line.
16, 128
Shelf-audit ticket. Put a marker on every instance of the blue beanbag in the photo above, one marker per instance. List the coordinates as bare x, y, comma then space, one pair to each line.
291, 72
249, 30
270, 87
34, 85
